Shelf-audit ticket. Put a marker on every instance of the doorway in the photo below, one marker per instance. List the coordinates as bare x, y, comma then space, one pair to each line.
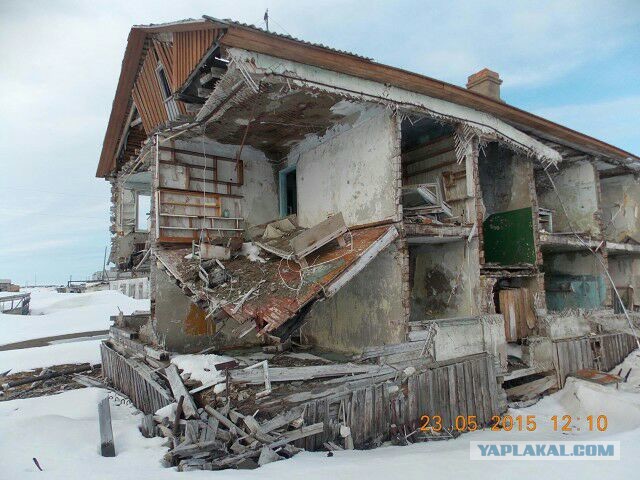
288, 192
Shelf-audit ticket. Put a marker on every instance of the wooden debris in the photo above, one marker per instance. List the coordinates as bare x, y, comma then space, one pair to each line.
595, 376
267, 456
532, 389
107, 447
332, 447
302, 432
225, 438
291, 374
47, 376
176, 420
147, 426
179, 390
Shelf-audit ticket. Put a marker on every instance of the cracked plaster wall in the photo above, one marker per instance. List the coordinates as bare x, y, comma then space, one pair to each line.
350, 169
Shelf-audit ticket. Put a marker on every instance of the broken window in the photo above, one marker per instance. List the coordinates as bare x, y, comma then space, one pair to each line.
164, 84
143, 210
169, 102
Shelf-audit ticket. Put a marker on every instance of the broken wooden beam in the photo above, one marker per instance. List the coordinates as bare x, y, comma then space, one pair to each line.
318, 235
292, 374
294, 435
107, 447
179, 390
233, 428
47, 376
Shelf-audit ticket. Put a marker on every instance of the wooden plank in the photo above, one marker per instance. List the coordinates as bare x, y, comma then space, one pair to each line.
483, 417
413, 400
461, 390
318, 235
302, 432
233, 428
290, 374
179, 390
453, 392
468, 387
493, 386
571, 357
281, 420
566, 361
432, 394
368, 414
484, 387
362, 261
107, 447
423, 397
533, 388
381, 428
445, 404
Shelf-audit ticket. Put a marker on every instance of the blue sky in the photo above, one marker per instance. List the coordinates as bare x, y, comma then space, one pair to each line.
575, 62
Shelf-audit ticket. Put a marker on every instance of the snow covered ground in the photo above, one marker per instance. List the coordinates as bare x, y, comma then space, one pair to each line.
59, 354
54, 314
61, 431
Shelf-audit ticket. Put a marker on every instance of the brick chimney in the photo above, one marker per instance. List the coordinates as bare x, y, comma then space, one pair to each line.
485, 82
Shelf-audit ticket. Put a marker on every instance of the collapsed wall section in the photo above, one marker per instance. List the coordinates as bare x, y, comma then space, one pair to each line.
367, 311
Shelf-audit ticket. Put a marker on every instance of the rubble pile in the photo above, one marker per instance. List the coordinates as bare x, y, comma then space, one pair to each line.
218, 436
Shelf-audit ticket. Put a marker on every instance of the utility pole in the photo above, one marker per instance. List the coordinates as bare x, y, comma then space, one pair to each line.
104, 265
266, 18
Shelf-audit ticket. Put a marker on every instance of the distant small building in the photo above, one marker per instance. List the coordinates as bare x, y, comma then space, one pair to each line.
7, 286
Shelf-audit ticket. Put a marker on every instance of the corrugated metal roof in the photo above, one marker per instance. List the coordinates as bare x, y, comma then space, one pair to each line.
229, 22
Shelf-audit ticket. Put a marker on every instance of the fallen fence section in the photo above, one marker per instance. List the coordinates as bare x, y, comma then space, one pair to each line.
134, 379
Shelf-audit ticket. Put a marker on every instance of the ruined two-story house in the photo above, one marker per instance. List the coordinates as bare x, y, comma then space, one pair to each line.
303, 194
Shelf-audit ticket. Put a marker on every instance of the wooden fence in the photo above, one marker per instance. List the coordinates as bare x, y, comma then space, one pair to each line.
134, 379
602, 352
464, 388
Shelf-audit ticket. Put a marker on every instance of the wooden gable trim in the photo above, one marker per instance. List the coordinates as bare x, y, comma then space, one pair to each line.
124, 91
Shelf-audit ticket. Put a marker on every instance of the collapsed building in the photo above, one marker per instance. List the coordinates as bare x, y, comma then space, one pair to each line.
433, 249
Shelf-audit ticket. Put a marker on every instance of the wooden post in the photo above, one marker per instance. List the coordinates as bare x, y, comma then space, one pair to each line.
107, 448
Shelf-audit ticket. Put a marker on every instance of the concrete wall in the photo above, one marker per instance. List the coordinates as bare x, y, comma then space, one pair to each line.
367, 311
621, 199
179, 325
574, 280
445, 280
577, 187
565, 325
625, 272
350, 170
505, 179
458, 338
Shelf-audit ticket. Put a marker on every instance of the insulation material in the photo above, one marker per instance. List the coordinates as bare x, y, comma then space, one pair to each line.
477, 124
